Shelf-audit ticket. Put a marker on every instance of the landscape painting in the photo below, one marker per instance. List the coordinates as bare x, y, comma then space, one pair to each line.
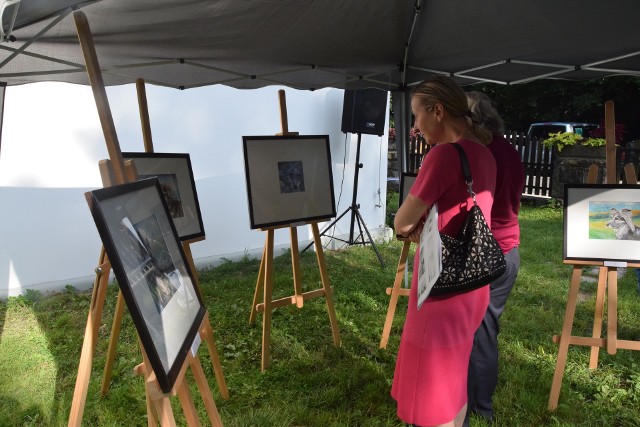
602, 223
614, 220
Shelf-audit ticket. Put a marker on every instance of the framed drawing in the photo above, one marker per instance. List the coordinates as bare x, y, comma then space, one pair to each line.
406, 182
151, 269
175, 175
602, 222
289, 179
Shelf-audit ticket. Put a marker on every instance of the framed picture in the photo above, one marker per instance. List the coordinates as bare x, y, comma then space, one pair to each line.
406, 182
175, 175
289, 179
602, 222
151, 269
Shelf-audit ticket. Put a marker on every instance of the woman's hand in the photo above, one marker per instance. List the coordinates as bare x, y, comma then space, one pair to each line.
414, 235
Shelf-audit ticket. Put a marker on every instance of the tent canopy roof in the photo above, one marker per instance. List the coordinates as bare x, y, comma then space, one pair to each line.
312, 44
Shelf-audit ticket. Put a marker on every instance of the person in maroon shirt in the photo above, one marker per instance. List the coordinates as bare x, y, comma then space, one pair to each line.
483, 363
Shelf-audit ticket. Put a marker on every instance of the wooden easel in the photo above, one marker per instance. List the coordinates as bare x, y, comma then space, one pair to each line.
396, 291
264, 283
158, 405
607, 281
207, 331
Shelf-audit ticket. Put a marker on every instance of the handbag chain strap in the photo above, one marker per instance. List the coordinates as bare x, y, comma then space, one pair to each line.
466, 171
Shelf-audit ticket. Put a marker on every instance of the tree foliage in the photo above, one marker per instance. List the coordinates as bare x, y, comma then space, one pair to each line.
567, 101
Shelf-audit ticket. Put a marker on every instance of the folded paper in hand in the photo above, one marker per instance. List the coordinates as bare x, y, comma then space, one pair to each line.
430, 255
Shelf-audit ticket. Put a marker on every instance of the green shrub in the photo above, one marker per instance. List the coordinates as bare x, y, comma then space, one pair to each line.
563, 139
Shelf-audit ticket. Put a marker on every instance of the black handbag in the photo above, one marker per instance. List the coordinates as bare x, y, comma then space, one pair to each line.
474, 259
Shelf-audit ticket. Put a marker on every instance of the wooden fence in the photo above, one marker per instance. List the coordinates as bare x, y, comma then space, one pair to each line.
538, 161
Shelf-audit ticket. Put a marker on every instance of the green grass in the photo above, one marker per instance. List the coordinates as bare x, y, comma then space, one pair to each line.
310, 381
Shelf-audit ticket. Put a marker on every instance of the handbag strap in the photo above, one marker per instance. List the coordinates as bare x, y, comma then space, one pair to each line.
466, 171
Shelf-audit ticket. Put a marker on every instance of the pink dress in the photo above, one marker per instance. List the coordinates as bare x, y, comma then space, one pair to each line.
430, 380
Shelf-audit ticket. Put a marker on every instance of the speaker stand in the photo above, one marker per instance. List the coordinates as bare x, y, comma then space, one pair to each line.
355, 216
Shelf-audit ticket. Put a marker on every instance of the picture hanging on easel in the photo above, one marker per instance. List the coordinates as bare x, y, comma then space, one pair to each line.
151, 270
289, 179
602, 222
406, 182
174, 172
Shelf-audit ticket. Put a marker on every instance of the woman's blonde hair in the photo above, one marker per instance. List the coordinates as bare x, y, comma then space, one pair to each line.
487, 116
443, 90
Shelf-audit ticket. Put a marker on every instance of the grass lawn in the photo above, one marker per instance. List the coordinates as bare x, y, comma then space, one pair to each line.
310, 382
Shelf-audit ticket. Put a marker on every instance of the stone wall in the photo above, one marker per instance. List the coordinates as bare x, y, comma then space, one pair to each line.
571, 166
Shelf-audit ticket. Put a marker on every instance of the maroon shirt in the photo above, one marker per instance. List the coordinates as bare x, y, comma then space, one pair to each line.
508, 192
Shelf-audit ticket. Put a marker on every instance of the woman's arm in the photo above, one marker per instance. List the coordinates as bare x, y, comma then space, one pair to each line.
408, 221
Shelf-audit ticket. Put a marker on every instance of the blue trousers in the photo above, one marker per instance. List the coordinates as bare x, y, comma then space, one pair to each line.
483, 364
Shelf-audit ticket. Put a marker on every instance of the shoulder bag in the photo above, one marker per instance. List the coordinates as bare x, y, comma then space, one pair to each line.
473, 259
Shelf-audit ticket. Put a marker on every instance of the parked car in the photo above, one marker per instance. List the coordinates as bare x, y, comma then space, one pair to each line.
542, 130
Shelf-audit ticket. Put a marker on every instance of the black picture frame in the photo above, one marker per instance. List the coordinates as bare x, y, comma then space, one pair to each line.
602, 222
289, 179
152, 272
406, 182
178, 185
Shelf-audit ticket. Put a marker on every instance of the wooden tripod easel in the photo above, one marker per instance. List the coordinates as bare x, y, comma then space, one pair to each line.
114, 171
264, 284
396, 291
207, 331
607, 281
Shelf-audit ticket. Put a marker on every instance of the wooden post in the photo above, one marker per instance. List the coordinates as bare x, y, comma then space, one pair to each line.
144, 116
597, 317
100, 95
630, 174
90, 337
610, 136
327, 290
119, 176
284, 121
565, 337
266, 307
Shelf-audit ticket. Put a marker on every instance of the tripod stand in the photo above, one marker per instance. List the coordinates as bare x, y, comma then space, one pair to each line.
355, 215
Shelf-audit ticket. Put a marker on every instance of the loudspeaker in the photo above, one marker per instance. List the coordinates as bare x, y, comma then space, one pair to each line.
364, 111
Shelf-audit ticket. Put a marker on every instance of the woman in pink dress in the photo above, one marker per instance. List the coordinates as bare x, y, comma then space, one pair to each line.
430, 380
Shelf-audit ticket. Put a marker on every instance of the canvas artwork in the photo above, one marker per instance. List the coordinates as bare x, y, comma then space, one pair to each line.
144, 249
170, 191
289, 179
175, 176
406, 182
602, 222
